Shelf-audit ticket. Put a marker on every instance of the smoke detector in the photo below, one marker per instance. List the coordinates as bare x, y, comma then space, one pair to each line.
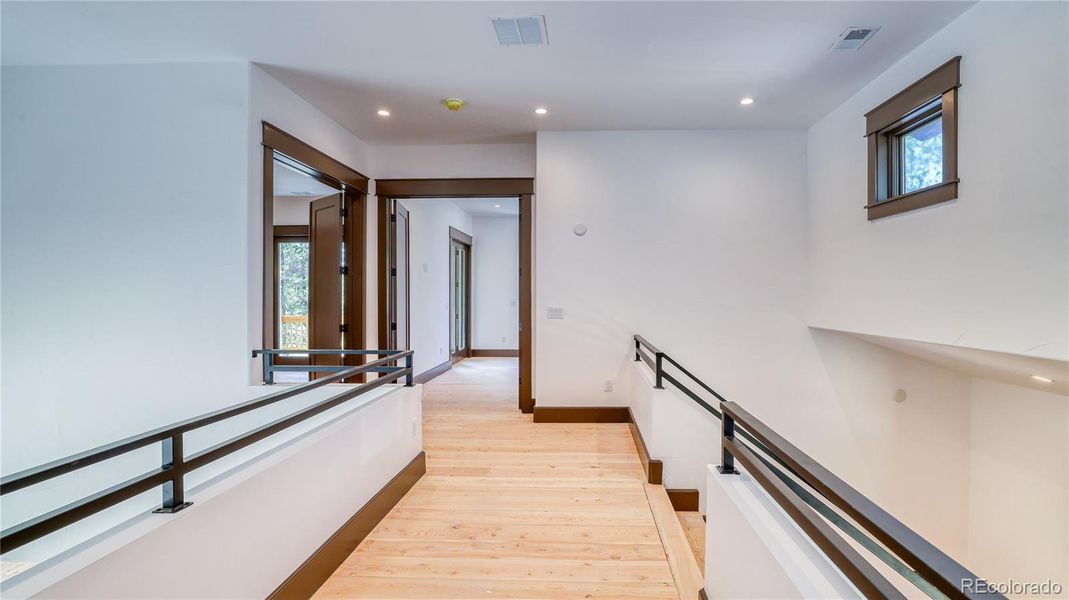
520, 31
854, 37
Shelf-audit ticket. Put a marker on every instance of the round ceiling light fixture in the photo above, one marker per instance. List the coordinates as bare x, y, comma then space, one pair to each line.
453, 104
541, 110
747, 101
383, 112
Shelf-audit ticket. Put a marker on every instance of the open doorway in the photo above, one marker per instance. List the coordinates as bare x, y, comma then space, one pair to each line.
313, 256
470, 297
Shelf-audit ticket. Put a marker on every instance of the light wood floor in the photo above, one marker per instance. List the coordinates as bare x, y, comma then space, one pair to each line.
513, 509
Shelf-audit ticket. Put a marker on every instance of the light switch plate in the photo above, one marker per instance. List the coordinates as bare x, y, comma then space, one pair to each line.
554, 312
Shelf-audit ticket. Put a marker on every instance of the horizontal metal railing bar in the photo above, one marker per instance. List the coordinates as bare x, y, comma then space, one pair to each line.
260, 351
858, 570
946, 574
236, 443
329, 368
28, 531
695, 379
646, 359
28, 477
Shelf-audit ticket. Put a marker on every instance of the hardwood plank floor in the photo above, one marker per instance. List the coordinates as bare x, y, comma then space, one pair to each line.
512, 509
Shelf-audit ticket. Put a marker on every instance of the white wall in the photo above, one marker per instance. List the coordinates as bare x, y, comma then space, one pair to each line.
990, 269
495, 283
124, 251
429, 223
697, 241
453, 160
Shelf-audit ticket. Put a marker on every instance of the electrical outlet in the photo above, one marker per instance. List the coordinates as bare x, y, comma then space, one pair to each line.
608, 385
440, 351
502, 339
415, 427
554, 312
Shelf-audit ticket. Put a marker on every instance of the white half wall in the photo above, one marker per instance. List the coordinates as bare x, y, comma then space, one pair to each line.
429, 223
991, 269
227, 544
495, 282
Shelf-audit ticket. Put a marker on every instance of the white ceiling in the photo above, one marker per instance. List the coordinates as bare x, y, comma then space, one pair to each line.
608, 65
489, 207
1015, 369
290, 182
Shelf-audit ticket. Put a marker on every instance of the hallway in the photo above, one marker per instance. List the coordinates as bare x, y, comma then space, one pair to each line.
512, 509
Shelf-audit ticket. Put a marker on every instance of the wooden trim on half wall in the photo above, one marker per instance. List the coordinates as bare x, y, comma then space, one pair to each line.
519, 187
683, 500
433, 372
494, 353
582, 414
653, 467
315, 571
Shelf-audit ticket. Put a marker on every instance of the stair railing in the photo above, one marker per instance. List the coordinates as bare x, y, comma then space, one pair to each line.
804, 489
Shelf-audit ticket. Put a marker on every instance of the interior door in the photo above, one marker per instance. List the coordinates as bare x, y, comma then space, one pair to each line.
325, 278
400, 334
459, 299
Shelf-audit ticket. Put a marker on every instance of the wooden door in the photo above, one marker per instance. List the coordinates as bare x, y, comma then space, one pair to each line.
400, 330
325, 278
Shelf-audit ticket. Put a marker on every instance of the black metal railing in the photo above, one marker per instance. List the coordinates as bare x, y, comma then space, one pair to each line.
804, 489
170, 476
271, 366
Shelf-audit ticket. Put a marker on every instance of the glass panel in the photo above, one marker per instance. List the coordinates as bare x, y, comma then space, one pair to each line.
922, 156
293, 294
401, 252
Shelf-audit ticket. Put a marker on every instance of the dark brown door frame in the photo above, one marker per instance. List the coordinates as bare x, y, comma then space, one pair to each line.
394, 343
459, 238
520, 187
304, 157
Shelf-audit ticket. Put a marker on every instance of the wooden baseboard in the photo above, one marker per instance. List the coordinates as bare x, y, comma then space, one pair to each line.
701, 595
683, 500
433, 372
488, 353
308, 578
581, 414
527, 407
653, 467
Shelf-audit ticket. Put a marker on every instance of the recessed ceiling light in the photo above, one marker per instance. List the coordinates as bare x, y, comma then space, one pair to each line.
1043, 379
383, 112
747, 101
497, 206
541, 111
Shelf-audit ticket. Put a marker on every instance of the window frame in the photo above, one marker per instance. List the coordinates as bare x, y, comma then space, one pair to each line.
933, 96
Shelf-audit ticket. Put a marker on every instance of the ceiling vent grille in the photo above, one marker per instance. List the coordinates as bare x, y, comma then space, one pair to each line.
521, 31
854, 38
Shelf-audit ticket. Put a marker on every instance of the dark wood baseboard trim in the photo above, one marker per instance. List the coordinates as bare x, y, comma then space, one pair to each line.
527, 407
581, 414
653, 467
683, 500
701, 595
308, 578
433, 372
477, 353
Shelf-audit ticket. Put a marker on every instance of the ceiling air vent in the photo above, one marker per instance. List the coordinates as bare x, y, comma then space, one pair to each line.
521, 31
854, 38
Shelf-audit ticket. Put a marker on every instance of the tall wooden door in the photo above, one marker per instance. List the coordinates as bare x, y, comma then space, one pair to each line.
325, 278
400, 330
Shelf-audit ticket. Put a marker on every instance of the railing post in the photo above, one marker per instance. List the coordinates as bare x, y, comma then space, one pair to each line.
174, 489
408, 377
727, 432
269, 368
637, 346
660, 371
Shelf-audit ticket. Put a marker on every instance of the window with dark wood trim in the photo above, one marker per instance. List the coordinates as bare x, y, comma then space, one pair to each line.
913, 145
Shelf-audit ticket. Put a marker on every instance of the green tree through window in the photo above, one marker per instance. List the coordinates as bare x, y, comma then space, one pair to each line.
293, 296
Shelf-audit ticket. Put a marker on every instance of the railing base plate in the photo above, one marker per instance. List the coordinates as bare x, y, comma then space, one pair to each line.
724, 471
173, 510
